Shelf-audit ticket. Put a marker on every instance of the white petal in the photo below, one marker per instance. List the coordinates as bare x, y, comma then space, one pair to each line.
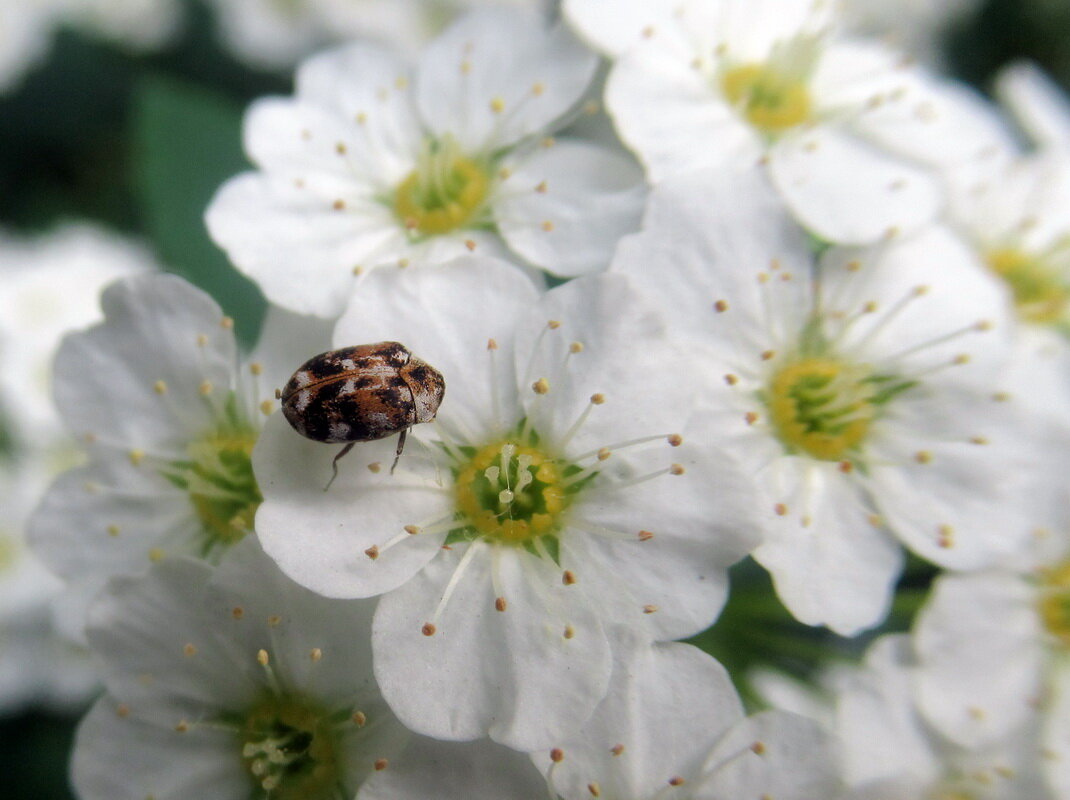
454, 771
565, 207
711, 237
497, 76
144, 630
319, 538
979, 648
830, 564
366, 89
672, 118
513, 675
1057, 733
126, 758
105, 377
286, 341
446, 316
299, 248
665, 708
797, 760
1038, 104
923, 288
846, 190
882, 735
626, 355
702, 522
613, 26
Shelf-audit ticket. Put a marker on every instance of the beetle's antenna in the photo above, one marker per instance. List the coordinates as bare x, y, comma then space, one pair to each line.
401, 446
334, 464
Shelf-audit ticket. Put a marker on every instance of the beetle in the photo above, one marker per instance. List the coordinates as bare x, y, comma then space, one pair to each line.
360, 394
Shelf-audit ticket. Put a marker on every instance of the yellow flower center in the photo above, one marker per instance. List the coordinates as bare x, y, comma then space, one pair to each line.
1039, 293
218, 476
768, 99
1055, 602
822, 407
447, 191
292, 749
513, 492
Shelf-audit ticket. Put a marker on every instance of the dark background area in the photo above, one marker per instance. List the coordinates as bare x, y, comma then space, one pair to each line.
140, 144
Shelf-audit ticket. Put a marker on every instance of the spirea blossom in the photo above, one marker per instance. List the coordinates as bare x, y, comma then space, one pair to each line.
561, 492
858, 387
376, 162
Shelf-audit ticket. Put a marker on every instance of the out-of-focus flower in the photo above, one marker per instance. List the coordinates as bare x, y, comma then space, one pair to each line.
168, 418
913, 26
373, 164
555, 476
230, 684
849, 130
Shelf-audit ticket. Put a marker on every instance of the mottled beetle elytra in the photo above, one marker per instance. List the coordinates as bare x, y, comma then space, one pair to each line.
360, 394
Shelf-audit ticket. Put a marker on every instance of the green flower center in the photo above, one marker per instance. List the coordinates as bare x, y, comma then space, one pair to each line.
822, 407
218, 477
513, 491
1055, 602
447, 191
1039, 291
292, 749
767, 97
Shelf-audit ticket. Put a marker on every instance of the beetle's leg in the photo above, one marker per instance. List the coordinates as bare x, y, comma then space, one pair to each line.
334, 464
401, 446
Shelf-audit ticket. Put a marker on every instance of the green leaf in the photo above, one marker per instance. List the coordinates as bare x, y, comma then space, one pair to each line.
188, 141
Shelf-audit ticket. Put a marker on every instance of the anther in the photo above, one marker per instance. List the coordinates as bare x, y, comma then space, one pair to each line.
381, 764
205, 388
227, 323
845, 467
266, 407
500, 604
598, 399
360, 719
649, 609
412, 529
237, 612
568, 577
576, 347
946, 538
731, 379
375, 467
159, 387
315, 655
645, 536
136, 456
780, 509
617, 749
497, 105
372, 552
594, 789
470, 244
122, 710
978, 440
758, 748
547, 226
278, 394
339, 204
189, 650
677, 469
541, 386
768, 355
985, 325
923, 457
492, 344
604, 453
961, 358
750, 417
557, 755
720, 306
340, 148
113, 530
542, 188
676, 781
428, 629
182, 726
262, 658
569, 632
675, 440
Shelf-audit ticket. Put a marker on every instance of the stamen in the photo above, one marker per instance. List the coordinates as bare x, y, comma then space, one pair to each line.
661, 437
977, 327
675, 469
455, 579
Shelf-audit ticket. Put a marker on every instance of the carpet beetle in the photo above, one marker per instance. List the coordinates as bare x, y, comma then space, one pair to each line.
360, 394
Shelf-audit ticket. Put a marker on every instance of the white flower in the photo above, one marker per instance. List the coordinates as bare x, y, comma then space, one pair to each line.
231, 684
375, 163
168, 418
273, 34
847, 128
889, 753
51, 286
854, 388
671, 726
136, 24
993, 655
556, 476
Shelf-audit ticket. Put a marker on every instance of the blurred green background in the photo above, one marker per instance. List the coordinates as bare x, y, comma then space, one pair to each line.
140, 143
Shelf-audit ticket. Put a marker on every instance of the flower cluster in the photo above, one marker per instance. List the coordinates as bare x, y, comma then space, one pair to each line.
810, 309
